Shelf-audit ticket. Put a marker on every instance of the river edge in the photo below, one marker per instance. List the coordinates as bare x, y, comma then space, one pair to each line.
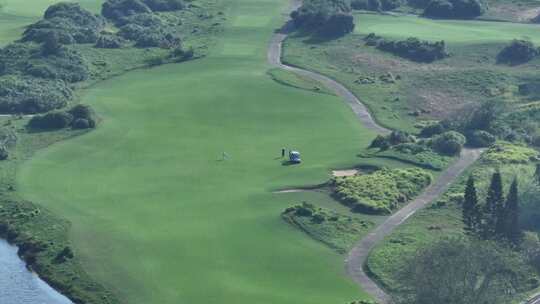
19, 284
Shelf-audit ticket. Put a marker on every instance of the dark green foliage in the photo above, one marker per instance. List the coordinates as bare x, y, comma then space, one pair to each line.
4, 153
518, 52
472, 217
78, 117
388, 5
412, 48
338, 25
432, 129
119, 10
180, 54
315, 15
110, 42
394, 138
466, 271
455, 9
149, 31
51, 44
70, 22
368, 5
448, 143
30, 95
537, 174
165, 5
64, 255
512, 230
485, 116
51, 121
493, 223
480, 138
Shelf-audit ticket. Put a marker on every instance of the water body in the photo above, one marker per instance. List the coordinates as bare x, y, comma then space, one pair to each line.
20, 286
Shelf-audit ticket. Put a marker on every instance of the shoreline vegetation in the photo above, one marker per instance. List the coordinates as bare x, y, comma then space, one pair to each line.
40, 236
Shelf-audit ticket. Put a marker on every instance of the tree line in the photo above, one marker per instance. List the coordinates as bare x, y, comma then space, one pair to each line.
496, 219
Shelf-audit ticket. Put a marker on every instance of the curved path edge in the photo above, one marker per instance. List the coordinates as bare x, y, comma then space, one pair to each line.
358, 255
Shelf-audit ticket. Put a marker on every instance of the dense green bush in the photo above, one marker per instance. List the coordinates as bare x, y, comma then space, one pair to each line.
69, 21
30, 95
448, 143
506, 153
394, 138
381, 191
433, 129
456, 9
368, 5
79, 117
412, 48
110, 42
481, 138
119, 10
153, 35
4, 153
314, 15
519, 51
51, 120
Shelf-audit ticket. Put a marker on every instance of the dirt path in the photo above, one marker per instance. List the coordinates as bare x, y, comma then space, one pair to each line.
358, 255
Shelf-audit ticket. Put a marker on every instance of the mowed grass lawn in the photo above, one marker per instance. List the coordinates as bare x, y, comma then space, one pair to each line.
156, 215
451, 31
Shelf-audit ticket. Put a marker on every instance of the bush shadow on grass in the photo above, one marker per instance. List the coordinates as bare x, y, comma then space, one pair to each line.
289, 163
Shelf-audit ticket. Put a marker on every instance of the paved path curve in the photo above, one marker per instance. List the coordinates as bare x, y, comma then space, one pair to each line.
358, 255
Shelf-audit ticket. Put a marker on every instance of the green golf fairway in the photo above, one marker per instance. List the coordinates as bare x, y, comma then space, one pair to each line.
452, 31
159, 217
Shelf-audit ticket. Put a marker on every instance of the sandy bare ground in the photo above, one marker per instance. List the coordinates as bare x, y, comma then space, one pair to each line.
358, 255
344, 173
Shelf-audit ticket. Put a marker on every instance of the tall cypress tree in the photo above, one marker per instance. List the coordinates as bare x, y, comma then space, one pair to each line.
537, 174
512, 231
493, 224
471, 210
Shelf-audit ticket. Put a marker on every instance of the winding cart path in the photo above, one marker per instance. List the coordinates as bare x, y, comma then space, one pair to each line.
359, 253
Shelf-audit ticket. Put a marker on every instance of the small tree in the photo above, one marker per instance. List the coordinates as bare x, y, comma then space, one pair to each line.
511, 213
471, 210
493, 217
537, 174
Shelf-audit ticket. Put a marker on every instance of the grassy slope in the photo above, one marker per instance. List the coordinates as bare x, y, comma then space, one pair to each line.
470, 75
159, 219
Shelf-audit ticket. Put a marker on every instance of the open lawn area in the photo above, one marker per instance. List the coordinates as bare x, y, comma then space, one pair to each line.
451, 31
159, 217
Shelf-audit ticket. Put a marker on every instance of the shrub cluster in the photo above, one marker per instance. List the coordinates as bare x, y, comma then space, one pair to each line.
150, 34
328, 18
412, 48
69, 21
506, 153
519, 51
455, 9
392, 139
448, 143
32, 95
119, 10
375, 5
381, 191
79, 117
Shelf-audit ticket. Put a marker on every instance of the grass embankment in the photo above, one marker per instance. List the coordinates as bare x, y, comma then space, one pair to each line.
297, 81
443, 217
403, 94
157, 217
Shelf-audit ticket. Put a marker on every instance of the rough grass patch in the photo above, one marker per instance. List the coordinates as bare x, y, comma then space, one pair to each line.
382, 191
